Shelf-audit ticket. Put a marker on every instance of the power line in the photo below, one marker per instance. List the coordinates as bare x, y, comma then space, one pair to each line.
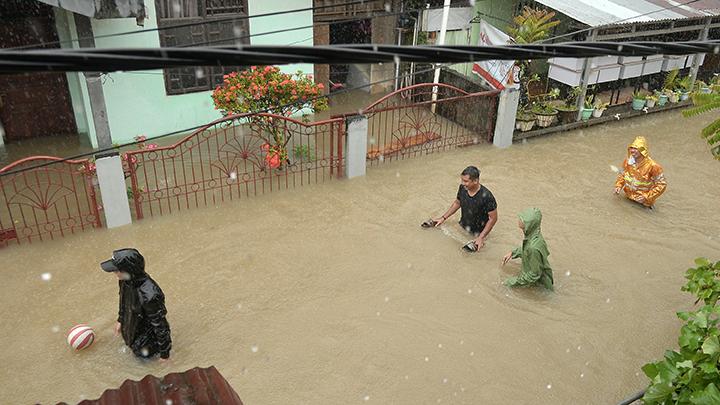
186, 130
193, 24
122, 59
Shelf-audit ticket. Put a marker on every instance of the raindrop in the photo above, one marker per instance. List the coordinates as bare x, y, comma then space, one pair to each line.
462, 389
549, 386
387, 299
607, 301
254, 348
462, 342
397, 174
469, 291
579, 347
445, 380
377, 313
439, 400
168, 402
472, 353
567, 350
388, 8
145, 352
233, 175
366, 398
381, 158
375, 48
620, 48
406, 377
238, 30
716, 50
582, 375
614, 168
239, 306
567, 273
396, 59
440, 345
372, 141
199, 73
46, 276
177, 10
55, 329
409, 265
427, 358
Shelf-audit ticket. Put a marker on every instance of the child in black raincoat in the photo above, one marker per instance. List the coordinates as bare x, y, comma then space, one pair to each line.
141, 316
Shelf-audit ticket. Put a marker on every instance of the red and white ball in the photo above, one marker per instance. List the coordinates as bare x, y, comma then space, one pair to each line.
81, 336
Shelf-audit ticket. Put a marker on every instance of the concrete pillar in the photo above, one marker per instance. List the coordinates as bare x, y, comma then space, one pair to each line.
356, 146
696, 58
585, 78
94, 85
113, 190
505, 120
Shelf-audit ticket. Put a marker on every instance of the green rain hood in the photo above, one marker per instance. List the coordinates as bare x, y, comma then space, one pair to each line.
533, 252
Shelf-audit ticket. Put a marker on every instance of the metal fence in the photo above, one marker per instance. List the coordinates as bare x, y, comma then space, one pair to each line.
46, 202
235, 157
408, 123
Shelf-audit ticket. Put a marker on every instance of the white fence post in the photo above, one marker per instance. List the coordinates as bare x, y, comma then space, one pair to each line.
113, 190
356, 146
505, 119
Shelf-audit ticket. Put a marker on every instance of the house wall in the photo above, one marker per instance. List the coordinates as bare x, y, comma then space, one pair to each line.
137, 103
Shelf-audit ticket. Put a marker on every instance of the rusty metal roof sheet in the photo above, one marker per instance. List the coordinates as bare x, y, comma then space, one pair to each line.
195, 386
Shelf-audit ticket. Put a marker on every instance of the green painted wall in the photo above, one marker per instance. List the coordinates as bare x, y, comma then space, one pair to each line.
136, 102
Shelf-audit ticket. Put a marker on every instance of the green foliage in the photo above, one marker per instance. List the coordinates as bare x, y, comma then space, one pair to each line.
532, 25
690, 375
543, 107
638, 95
703, 103
671, 80
304, 153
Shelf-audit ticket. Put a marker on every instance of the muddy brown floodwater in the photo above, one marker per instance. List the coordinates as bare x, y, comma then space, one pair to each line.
332, 294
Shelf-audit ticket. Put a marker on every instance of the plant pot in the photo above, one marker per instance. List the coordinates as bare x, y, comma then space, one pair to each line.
567, 116
662, 100
545, 120
598, 112
525, 125
638, 104
586, 113
650, 103
684, 96
673, 98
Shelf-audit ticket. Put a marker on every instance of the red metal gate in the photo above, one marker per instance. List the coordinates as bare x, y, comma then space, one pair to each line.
403, 123
234, 158
40, 203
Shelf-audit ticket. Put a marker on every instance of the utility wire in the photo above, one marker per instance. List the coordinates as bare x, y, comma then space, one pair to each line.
123, 59
193, 24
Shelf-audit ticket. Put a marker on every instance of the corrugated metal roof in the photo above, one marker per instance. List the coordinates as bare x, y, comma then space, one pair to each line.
195, 386
604, 12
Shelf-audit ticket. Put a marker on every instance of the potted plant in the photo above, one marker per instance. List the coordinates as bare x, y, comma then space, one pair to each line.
524, 121
544, 112
672, 96
670, 84
638, 100
702, 87
651, 100
587, 108
683, 86
567, 111
599, 108
715, 84
662, 98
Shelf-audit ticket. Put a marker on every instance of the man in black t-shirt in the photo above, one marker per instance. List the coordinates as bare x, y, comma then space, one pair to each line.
477, 205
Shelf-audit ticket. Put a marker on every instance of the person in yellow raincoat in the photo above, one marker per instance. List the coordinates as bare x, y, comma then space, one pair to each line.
641, 179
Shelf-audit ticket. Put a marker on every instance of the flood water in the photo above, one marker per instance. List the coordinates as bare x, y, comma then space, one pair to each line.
333, 294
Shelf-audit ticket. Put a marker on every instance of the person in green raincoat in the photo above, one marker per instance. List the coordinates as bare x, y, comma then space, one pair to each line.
533, 253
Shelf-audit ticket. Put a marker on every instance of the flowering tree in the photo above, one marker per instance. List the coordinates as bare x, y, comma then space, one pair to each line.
270, 90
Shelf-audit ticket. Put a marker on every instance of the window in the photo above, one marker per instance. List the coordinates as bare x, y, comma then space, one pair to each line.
212, 31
